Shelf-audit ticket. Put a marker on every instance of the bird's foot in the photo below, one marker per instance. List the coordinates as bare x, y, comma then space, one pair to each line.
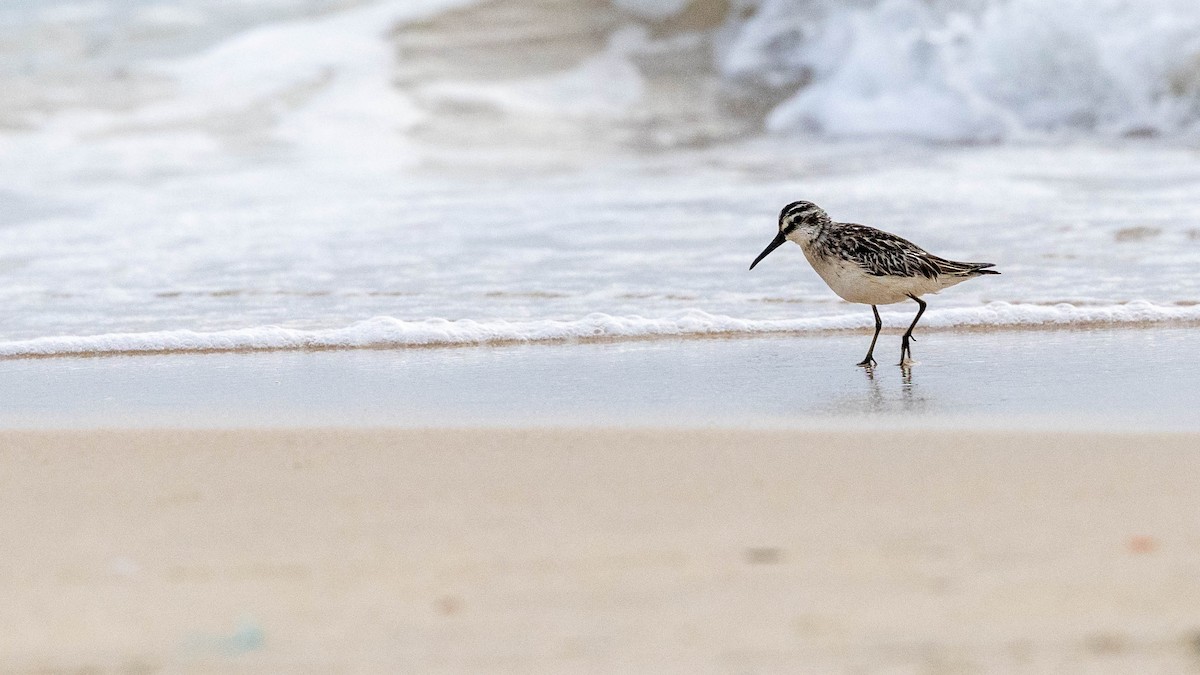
868, 362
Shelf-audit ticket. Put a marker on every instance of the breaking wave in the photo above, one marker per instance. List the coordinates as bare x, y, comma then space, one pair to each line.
675, 72
981, 70
389, 333
665, 72
659, 71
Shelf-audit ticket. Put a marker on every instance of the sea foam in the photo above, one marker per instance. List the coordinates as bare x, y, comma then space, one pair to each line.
390, 333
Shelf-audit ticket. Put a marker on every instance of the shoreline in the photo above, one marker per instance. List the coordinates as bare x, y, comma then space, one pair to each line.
1120, 379
577, 550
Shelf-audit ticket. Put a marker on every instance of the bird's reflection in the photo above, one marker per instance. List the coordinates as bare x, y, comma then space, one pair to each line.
874, 398
880, 397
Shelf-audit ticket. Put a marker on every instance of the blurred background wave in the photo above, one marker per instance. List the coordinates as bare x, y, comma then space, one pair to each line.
643, 73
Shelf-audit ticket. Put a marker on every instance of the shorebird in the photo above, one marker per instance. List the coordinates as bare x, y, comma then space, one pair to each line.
869, 266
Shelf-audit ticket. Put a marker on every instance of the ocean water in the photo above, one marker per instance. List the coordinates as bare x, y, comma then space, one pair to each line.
289, 174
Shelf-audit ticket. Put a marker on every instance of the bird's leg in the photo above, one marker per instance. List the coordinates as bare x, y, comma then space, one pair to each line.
905, 350
869, 360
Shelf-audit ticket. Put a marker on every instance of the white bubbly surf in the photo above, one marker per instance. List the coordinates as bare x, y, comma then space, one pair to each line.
390, 333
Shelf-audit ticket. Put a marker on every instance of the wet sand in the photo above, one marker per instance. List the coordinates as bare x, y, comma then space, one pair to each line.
1121, 379
590, 550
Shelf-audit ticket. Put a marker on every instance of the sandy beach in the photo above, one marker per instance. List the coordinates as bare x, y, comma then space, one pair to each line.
589, 550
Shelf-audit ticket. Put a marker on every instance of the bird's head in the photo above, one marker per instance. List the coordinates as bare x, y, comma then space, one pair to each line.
799, 222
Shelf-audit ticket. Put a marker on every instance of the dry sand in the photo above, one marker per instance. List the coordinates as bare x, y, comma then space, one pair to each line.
560, 551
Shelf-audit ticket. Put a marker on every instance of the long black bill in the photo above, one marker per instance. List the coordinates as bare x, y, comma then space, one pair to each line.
775, 243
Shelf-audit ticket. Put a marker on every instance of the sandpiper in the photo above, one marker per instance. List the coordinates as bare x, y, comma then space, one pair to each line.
869, 266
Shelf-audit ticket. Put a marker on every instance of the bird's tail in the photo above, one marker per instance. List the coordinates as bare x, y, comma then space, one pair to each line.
965, 269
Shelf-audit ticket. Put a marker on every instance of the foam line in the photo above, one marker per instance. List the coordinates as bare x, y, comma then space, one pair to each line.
389, 333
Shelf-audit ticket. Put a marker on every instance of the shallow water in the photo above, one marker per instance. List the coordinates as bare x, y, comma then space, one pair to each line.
662, 238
